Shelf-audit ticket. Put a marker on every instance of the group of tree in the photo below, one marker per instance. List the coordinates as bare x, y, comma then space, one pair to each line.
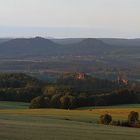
69, 100
57, 101
132, 121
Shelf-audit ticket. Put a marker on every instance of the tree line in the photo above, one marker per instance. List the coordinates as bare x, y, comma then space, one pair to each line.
68, 92
71, 101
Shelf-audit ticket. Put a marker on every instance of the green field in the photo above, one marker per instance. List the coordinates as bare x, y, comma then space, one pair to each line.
13, 105
52, 124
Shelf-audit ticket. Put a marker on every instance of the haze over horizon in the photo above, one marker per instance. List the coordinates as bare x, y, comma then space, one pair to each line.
70, 18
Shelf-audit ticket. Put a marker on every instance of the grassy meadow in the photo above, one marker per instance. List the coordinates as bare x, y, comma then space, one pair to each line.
19, 122
13, 105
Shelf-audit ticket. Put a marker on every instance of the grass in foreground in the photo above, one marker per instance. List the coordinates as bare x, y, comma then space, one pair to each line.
53, 124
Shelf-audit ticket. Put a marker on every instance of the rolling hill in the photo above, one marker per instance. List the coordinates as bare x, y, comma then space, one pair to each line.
26, 47
40, 47
2, 40
87, 54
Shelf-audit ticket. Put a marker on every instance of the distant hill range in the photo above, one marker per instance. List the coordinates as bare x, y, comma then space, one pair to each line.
110, 41
91, 55
2, 40
40, 47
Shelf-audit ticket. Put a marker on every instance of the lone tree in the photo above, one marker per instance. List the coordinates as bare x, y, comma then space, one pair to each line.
133, 117
105, 119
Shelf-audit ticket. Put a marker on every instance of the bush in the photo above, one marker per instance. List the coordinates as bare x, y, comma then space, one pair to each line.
105, 119
133, 117
125, 123
116, 123
121, 123
136, 125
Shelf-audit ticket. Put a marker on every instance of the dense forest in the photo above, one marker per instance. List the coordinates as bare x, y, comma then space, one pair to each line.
69, 91
19, 87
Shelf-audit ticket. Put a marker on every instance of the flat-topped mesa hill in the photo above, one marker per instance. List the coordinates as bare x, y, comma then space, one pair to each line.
76, 76
41, 47
85, 82
79, 76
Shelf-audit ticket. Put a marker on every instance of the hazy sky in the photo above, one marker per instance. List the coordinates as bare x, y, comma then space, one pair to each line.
70, 18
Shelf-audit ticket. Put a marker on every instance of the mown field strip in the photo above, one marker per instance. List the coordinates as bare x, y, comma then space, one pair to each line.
88, 115
54, 124
25, 127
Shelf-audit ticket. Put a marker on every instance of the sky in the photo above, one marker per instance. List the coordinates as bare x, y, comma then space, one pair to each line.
70, 18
